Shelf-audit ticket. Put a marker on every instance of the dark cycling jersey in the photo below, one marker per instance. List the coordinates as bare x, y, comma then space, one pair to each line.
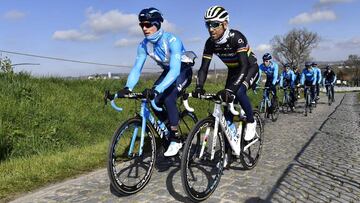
237, 56
329, 77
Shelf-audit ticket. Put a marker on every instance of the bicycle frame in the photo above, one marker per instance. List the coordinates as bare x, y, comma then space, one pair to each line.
265, 102
233, 138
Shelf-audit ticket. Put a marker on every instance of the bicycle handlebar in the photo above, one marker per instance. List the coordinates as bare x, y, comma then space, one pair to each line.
209, 96
141, 96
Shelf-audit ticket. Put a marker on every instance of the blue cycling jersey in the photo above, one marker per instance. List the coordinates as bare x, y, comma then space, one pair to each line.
167, 50
308, 75
271, 72
287, 78
318, 73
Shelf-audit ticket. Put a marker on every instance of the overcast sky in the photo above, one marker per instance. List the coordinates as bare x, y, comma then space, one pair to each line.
107, 31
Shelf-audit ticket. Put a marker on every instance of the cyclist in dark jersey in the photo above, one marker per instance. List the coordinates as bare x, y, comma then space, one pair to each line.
233, 49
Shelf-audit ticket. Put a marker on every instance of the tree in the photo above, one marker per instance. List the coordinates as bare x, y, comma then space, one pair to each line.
294, 47
6, 65
353, 62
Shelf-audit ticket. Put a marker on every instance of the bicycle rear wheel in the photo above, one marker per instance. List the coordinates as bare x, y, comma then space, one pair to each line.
251, 150
128, 170
200, 174
275, 109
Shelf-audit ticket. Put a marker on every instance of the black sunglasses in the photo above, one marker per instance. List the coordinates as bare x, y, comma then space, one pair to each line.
147, 25
212, 24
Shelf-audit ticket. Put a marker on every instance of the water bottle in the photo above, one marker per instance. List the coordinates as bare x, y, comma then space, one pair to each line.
234, 140
240, 128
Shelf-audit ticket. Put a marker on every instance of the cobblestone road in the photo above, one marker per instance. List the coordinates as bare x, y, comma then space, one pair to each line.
304, 159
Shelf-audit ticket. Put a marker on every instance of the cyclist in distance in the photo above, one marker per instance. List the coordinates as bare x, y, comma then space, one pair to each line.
308, 78
271, 69
287, 79
232, 47
169, 53
318, 79
329, 79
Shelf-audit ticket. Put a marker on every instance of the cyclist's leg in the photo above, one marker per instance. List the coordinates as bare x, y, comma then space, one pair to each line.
333, 92
292, 96
312, 92
183, 80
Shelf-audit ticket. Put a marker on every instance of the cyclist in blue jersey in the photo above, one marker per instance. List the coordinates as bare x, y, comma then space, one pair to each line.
329, 80
271, 69
318, 79
169, 53
287, 79
308, 78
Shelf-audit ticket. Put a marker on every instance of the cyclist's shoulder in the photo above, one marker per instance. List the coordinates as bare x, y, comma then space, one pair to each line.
170, 37
237, 37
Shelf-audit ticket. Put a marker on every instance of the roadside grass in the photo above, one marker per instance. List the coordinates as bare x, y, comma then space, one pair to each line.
52, 128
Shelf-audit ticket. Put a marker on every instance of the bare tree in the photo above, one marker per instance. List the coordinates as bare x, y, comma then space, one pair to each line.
294, 47
5, 65
354, 62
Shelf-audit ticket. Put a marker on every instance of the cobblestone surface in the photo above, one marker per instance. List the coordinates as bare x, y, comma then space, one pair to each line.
305, 159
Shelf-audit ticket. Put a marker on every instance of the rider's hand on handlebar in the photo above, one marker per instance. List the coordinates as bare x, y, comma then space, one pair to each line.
121, 93
150, 93
226, 96
198, 92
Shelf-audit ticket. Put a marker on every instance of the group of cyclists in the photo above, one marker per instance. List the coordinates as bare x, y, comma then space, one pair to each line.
310, 77
232, 47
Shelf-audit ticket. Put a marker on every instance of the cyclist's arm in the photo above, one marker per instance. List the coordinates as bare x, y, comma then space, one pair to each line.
314, 78
135, 72
248, 66
205, 63
281, 79
276, 73
175, 46
320, 76
260, 71
302, 79
334, 81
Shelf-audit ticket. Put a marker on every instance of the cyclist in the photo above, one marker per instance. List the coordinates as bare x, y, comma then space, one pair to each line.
287, 79
318, 79
308, 78
329, 80
233, 49
297, 73
271, 70
169, 53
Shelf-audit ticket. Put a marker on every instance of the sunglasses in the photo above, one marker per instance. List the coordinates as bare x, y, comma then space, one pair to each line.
266, 61
212, 24
146, 24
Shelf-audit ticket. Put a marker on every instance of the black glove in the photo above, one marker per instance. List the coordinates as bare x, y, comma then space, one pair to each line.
150, 93
226, 96
198, 92
121, 93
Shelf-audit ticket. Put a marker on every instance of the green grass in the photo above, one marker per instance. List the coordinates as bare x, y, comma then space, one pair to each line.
52, 128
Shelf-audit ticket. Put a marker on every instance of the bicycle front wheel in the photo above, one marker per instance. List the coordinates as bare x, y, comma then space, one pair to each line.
202, 160
129, 165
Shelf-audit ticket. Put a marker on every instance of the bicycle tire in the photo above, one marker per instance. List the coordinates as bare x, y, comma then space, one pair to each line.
245, 155
115, 171
190, 153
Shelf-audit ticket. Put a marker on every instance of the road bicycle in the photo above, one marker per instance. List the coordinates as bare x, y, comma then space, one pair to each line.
269, 104
329, 93
287, 103
202, 160
133, 147
308, 100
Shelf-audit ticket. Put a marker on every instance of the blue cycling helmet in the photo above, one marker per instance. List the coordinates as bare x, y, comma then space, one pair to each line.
287, 65
152, 15
327, 67
307, 64
266, 57
313, 64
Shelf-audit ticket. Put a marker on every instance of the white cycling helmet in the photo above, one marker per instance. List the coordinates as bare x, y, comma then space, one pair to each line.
216, 13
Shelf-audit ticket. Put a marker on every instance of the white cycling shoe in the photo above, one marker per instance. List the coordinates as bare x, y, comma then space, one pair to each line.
250, 131
173, 149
